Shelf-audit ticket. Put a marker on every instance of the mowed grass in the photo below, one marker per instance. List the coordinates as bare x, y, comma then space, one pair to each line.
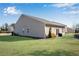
25, 46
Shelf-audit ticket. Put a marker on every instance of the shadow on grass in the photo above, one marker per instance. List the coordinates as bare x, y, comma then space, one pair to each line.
53, 53
15, 38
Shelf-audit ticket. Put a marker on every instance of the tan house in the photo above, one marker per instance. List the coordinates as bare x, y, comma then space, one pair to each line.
37, 27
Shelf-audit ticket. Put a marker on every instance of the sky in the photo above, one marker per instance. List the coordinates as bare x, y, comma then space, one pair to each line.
65, 13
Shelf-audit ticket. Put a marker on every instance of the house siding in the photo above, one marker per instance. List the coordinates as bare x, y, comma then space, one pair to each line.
53, 30
36, 28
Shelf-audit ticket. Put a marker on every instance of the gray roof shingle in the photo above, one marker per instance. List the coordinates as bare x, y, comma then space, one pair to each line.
45, 21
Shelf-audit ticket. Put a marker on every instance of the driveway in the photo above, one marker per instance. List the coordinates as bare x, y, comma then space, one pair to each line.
5, 34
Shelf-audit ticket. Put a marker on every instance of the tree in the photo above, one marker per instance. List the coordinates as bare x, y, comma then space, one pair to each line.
76, 35
77, 28
2, 28
6, 27
13, 25
49, 33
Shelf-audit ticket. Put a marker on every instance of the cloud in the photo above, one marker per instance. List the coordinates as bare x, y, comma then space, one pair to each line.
72, 12
11, 11
69, 8
62, 5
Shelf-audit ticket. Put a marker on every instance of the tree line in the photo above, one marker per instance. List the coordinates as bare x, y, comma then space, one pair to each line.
6, 26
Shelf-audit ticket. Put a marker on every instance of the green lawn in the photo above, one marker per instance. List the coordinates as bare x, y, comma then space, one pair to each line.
25, 46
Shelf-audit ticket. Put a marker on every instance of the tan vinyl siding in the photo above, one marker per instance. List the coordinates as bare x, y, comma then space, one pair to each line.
53, 30
36, 27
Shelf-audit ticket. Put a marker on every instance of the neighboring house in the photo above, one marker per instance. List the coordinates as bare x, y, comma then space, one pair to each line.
70, 30
11, 28
37, 27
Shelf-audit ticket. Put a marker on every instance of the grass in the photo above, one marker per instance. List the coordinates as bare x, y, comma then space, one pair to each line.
25, 46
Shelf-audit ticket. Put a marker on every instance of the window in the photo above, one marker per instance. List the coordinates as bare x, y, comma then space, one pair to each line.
27, 30
23, 30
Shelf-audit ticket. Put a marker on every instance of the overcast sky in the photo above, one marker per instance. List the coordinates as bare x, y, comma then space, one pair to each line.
63, 13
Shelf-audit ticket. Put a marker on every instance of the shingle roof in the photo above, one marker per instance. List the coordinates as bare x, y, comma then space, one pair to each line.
45, 21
